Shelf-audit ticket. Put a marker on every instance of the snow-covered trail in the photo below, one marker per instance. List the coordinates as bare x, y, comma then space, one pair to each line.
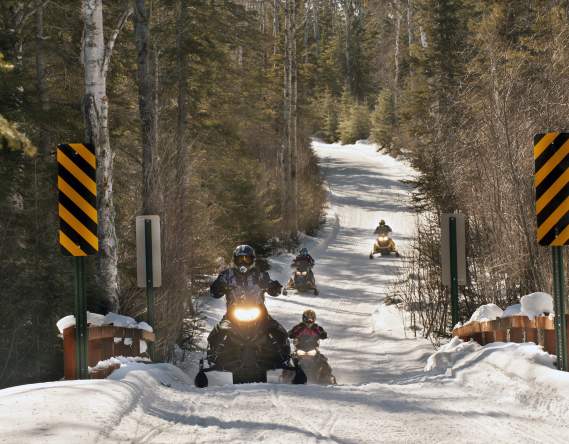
383, 394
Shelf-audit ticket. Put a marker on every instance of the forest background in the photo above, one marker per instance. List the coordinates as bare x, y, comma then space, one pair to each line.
211, 106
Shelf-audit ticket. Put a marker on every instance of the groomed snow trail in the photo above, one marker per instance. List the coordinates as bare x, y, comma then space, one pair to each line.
383, 394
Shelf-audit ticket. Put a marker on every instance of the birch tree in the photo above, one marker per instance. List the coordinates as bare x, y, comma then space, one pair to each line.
96, 57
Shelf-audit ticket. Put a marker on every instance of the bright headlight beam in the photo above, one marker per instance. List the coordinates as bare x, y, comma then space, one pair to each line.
247, 314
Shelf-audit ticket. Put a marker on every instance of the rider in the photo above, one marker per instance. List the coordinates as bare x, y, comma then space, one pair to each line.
308, 327
383, 229
244, 278
306, 336
303, 258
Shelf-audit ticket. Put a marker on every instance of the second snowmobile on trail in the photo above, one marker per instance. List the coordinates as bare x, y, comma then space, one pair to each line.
302, 280
247, 342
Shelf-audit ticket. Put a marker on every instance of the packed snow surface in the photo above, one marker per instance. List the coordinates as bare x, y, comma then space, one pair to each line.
488, 312
501, 393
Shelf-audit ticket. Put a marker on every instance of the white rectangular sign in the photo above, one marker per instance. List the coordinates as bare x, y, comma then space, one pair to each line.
141, 251
460, 248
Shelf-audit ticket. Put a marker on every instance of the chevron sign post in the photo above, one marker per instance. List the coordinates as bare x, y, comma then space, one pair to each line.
77, 209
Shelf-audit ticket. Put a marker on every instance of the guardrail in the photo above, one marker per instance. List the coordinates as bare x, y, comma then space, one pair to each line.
540, 330
102, 346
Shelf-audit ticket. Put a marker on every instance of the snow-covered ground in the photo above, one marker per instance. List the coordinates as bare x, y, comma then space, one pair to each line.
500, 393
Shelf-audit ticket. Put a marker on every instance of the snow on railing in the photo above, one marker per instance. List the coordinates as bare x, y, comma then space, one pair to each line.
112, 339
529, 321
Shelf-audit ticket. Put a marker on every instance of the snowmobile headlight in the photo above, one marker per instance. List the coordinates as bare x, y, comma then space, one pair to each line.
304, 273
306, 353
383, 238
247, 314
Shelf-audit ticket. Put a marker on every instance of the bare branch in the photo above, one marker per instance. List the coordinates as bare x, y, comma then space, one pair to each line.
113, 38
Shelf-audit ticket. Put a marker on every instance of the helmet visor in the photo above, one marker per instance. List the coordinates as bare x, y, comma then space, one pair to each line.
244, 261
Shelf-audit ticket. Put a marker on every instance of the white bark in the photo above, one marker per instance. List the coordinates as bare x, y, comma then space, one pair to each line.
96, 59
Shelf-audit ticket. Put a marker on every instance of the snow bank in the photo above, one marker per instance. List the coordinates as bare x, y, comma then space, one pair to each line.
526, 361
536, 304
488, 312
109, 319
446, 356
82, 411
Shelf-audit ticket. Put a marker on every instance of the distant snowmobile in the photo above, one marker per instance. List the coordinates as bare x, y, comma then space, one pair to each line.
384, 246
300, 281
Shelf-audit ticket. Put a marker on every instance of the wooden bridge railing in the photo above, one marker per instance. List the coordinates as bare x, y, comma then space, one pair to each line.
102, 346
540, 330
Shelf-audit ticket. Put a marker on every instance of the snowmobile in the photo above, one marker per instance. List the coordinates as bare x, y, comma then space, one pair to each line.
384, 246
248, 350
314, 364
300, 281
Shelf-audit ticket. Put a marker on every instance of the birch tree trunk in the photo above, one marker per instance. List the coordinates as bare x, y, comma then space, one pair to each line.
148, 107
96, 58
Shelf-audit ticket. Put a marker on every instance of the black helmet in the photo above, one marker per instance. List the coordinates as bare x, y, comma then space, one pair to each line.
244, 258
381, 222
304, 251
309, 316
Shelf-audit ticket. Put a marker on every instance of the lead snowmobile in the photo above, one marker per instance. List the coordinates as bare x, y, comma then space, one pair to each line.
247, 342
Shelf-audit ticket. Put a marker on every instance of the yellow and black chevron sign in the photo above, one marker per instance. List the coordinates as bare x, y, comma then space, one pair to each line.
77, 185
551, 154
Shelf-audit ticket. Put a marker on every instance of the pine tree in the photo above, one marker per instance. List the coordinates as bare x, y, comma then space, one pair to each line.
383, 120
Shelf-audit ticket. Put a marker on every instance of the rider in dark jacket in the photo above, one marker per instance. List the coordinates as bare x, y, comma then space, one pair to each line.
245, 280
303, 258
383, 228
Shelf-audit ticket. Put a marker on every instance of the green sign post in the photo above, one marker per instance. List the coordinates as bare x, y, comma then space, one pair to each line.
453, 271
149, 280
551, 156
559, 297
453, 258
148, 264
